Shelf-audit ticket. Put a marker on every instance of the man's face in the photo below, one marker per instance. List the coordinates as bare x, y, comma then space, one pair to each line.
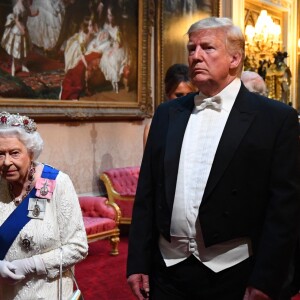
209, 60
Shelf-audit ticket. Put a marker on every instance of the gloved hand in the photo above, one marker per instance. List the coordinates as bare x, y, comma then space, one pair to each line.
29, 265
24, 266
7, 273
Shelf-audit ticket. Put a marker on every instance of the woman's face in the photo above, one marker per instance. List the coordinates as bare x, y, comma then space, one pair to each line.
15, 160
91, 27
182, 89
110, 17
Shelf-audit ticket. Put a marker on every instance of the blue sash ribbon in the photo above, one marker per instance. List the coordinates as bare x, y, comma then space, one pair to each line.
18, 218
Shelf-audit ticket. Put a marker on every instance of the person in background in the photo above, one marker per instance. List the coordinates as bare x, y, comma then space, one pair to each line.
216, 212
177, 84
254, 83
40, 217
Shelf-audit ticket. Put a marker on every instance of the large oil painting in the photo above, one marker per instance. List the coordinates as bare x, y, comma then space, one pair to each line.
75, 59
174, 18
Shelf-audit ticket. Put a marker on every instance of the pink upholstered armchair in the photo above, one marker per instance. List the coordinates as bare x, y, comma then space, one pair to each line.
101, 220
121, 186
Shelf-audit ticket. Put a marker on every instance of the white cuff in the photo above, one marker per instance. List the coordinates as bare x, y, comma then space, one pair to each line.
39, 265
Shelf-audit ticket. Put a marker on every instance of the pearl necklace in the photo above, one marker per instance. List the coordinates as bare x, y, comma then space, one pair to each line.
18, 200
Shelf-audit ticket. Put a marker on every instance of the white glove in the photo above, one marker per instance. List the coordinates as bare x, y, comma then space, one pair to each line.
29, 265
7, 273
24, 266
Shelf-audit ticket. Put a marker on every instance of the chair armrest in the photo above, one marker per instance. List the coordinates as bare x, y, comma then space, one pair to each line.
94, 206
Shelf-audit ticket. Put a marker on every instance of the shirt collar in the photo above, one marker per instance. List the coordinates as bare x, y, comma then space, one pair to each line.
228, 94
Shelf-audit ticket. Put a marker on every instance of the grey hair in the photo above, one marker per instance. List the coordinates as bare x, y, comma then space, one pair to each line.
32, 141
254, 83
235, 40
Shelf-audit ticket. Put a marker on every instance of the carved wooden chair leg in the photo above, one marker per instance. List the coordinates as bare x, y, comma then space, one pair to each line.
114, 241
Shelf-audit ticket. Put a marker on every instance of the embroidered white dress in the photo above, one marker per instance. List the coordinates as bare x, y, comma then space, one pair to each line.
63, 227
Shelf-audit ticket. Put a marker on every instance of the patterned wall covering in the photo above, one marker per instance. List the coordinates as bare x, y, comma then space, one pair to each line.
83, 150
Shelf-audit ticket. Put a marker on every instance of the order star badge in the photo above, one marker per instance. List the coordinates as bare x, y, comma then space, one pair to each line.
27, 242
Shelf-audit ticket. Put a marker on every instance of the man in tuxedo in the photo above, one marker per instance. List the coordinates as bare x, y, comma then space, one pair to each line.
216, 213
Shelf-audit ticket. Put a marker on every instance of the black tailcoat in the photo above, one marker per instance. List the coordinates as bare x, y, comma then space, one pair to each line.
252, 190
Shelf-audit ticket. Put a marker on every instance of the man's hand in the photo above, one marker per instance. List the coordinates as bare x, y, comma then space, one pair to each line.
139, 284
254, 294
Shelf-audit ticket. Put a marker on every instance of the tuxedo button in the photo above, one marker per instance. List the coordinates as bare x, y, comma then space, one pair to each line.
192, 246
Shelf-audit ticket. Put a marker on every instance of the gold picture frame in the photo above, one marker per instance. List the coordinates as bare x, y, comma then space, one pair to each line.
103, 105
173, 19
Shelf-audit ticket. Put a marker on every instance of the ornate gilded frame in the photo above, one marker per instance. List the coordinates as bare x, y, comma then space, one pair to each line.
164, 43
68, 110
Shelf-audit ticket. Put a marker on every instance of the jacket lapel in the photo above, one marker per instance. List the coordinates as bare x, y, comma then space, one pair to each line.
239, 120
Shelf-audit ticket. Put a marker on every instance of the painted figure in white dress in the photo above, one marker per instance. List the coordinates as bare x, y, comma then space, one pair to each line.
76, 45
79, 63
115, 57
15, 39
45, 28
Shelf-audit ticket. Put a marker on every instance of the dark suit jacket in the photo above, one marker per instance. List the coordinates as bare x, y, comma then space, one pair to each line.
252, 190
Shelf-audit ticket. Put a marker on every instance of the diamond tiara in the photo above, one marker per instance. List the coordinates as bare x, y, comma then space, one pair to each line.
15, 120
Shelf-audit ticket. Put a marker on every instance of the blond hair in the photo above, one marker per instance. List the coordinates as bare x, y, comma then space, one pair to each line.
235, 40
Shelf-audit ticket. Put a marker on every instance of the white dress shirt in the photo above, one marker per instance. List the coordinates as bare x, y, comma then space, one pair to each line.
199, 147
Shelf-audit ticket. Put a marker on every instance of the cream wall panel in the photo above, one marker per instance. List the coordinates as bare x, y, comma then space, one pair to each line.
84, 150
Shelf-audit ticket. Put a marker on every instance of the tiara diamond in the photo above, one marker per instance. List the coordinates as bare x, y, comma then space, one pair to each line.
15, 120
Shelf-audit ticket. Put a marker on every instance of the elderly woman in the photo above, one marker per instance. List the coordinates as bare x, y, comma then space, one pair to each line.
40, 217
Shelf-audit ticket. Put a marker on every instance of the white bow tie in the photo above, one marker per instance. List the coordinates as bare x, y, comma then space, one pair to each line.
214, 102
